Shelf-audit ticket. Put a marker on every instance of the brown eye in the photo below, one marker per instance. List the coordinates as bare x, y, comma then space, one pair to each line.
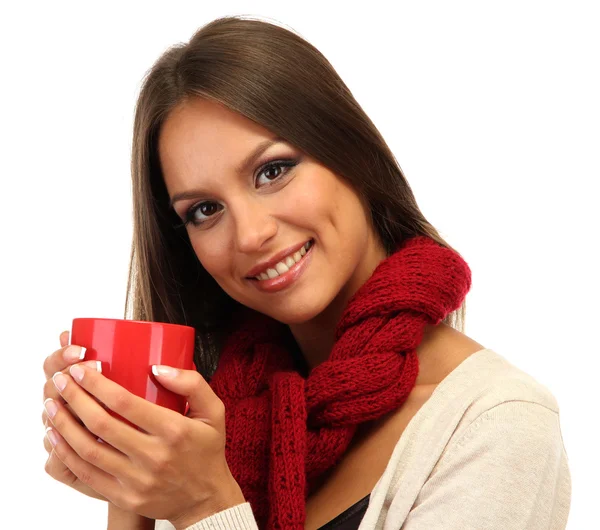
270, 172
273, 170
206, 209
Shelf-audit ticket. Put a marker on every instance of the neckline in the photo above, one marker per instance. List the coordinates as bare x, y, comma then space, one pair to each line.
430, 402
351, 511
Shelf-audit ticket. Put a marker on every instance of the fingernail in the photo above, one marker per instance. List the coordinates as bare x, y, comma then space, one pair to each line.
60, 381
77, 372
51, 408
94, 365
74, 353
53, 439
167, 371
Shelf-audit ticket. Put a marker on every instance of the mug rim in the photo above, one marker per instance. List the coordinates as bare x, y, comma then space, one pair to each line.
126, 320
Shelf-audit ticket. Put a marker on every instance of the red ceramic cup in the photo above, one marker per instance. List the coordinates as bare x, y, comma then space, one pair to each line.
127, 350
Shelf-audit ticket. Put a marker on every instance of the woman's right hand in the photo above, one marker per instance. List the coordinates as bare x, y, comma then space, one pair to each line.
60, 361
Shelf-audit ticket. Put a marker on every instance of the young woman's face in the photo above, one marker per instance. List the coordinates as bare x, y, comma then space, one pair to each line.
279, 232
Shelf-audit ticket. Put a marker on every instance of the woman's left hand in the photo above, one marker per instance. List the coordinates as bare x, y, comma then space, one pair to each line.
174, 468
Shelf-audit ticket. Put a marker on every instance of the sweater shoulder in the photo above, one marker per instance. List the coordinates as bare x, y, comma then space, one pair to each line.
490, 380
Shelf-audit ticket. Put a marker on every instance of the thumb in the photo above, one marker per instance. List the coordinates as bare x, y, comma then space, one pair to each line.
204, 403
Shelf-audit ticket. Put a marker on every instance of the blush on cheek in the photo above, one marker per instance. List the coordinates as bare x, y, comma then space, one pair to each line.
211, 259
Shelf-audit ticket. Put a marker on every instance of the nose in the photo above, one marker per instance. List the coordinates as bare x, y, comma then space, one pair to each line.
253, 226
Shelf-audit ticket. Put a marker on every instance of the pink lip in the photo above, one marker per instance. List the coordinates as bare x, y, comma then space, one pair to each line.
274, 260
284, 280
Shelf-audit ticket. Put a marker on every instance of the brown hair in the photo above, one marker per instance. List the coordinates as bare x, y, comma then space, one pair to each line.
276, 78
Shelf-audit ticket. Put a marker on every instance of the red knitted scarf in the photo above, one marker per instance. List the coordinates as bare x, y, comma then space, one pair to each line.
283, 430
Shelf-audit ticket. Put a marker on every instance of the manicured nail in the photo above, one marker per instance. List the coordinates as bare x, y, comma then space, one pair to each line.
93, 365
74, 353
60, 381
51, 435
167, 371
77, 372
51, 408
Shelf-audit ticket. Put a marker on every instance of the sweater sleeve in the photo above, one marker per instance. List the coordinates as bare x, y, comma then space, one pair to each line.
508, 470
238, 517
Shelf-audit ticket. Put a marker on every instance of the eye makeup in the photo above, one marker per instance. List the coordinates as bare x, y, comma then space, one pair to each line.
283, 164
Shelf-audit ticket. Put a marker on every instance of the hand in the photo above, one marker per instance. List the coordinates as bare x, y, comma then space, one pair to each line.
173, 467
61, 360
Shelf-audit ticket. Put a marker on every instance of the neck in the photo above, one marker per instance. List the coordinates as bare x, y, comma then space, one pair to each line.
316, 336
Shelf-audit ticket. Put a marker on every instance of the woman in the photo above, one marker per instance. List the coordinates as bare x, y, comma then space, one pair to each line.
271, 216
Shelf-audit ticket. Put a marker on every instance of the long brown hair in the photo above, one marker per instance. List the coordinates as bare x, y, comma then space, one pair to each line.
274, 77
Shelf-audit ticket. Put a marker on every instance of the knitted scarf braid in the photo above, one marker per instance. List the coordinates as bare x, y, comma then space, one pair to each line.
283, 430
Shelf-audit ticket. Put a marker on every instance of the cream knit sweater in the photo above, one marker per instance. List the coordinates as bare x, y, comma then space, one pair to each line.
485, 452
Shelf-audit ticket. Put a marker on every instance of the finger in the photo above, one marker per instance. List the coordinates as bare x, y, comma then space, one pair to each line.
204, 403
64, 338
150, 417
50, 390
86, 446
96, 418
56, 469
63, 358
87, 473
45, 419
47, 445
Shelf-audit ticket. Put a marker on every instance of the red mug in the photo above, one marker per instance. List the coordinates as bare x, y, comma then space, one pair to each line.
127, 349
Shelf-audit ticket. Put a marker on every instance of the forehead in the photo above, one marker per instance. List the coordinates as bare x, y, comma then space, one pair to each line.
204, 137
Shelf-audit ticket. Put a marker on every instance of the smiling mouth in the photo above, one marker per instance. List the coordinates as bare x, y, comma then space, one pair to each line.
285, 264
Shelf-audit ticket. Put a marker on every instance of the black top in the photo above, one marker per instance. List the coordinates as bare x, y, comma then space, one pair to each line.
350, 519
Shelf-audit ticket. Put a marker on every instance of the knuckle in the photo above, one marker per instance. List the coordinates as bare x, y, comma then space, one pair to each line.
91, 455
160, 462
176, 434
85, 477
98, 424
134, 501
146, 485
122, 402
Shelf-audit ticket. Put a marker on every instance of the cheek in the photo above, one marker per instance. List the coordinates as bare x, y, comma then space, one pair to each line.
334, 206
212, 254
314, 201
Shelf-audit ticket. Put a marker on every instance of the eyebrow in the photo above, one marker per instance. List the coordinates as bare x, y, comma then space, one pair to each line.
241, 168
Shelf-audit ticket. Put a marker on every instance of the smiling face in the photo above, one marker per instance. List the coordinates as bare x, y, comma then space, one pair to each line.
250, 224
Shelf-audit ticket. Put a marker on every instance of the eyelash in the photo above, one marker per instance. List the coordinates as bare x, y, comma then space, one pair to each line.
284, 163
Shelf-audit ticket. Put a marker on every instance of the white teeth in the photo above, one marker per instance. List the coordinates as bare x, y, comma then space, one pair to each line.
283, 266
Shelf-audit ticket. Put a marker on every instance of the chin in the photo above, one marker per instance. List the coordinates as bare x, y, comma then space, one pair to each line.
298, 314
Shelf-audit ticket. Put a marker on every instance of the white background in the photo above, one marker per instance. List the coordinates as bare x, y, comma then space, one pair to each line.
492, 109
